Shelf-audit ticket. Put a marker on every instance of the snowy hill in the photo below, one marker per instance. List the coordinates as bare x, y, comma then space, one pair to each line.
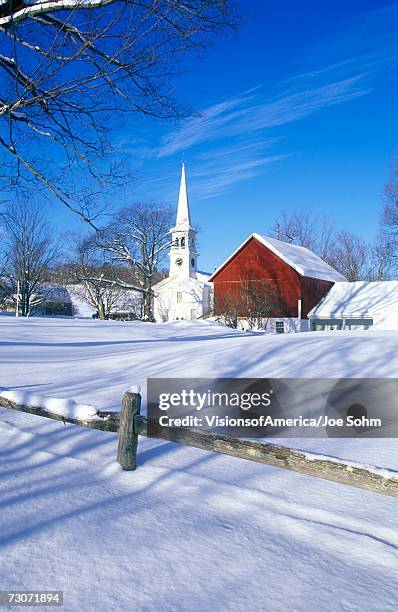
189, 530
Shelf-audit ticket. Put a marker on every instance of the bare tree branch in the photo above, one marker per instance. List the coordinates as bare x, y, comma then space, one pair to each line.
71, 69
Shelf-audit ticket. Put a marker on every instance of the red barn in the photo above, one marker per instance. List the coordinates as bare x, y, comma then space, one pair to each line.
298, 276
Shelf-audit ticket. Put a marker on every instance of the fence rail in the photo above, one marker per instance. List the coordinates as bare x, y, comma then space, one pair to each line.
130, 424
109, 421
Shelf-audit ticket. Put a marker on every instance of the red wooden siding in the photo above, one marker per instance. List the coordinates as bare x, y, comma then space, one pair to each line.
255, 262
313, 290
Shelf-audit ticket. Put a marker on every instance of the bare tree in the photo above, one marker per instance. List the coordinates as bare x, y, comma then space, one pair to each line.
351, 256
226, 309
260, 301
308, 229
383, 257
29, 249
255, 301
71, 69
5, 293
138, 236
390, 217
385, 252
92, 278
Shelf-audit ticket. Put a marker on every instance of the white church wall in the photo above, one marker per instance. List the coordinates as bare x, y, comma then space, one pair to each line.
162, 305
182, 301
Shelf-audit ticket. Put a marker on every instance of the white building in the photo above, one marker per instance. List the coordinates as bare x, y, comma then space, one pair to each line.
186, 293
357, 305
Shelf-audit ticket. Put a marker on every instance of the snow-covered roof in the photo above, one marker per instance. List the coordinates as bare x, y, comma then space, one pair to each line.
356, 299
304, 261
52, 292
201, 277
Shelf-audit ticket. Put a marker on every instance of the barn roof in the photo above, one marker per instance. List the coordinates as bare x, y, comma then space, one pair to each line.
304, 261
357, 299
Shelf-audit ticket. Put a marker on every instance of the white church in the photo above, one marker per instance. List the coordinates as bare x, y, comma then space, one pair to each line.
186, 293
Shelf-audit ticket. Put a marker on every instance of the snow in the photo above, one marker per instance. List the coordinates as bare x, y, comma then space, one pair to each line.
203, 277
356, 299
382, 472
304, 261
53, 292
48, 6
188, 530
64, 407
81, 307
135, 389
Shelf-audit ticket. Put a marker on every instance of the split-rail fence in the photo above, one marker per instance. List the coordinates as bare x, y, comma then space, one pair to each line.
129, 424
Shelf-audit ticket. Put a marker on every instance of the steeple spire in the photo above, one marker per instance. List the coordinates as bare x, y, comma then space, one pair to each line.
183, 220
183, 255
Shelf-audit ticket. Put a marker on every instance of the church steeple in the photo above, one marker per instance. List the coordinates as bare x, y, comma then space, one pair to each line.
183, 255
183, 217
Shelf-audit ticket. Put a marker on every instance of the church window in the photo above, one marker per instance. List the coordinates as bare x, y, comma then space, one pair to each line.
179, 296
176, 242
182, 242
192, 262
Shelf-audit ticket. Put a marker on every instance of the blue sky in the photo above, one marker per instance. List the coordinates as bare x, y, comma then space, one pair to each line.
297, 111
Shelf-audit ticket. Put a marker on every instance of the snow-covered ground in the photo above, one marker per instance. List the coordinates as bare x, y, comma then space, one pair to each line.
188, 530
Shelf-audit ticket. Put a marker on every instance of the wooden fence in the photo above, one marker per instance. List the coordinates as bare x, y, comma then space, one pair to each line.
129, 423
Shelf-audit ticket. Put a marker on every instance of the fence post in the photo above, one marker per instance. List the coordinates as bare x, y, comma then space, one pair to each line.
128, 439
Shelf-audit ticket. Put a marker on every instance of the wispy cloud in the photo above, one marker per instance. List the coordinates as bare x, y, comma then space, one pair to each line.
242, 116
210, 123
212, 175
237, 138
212, 179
